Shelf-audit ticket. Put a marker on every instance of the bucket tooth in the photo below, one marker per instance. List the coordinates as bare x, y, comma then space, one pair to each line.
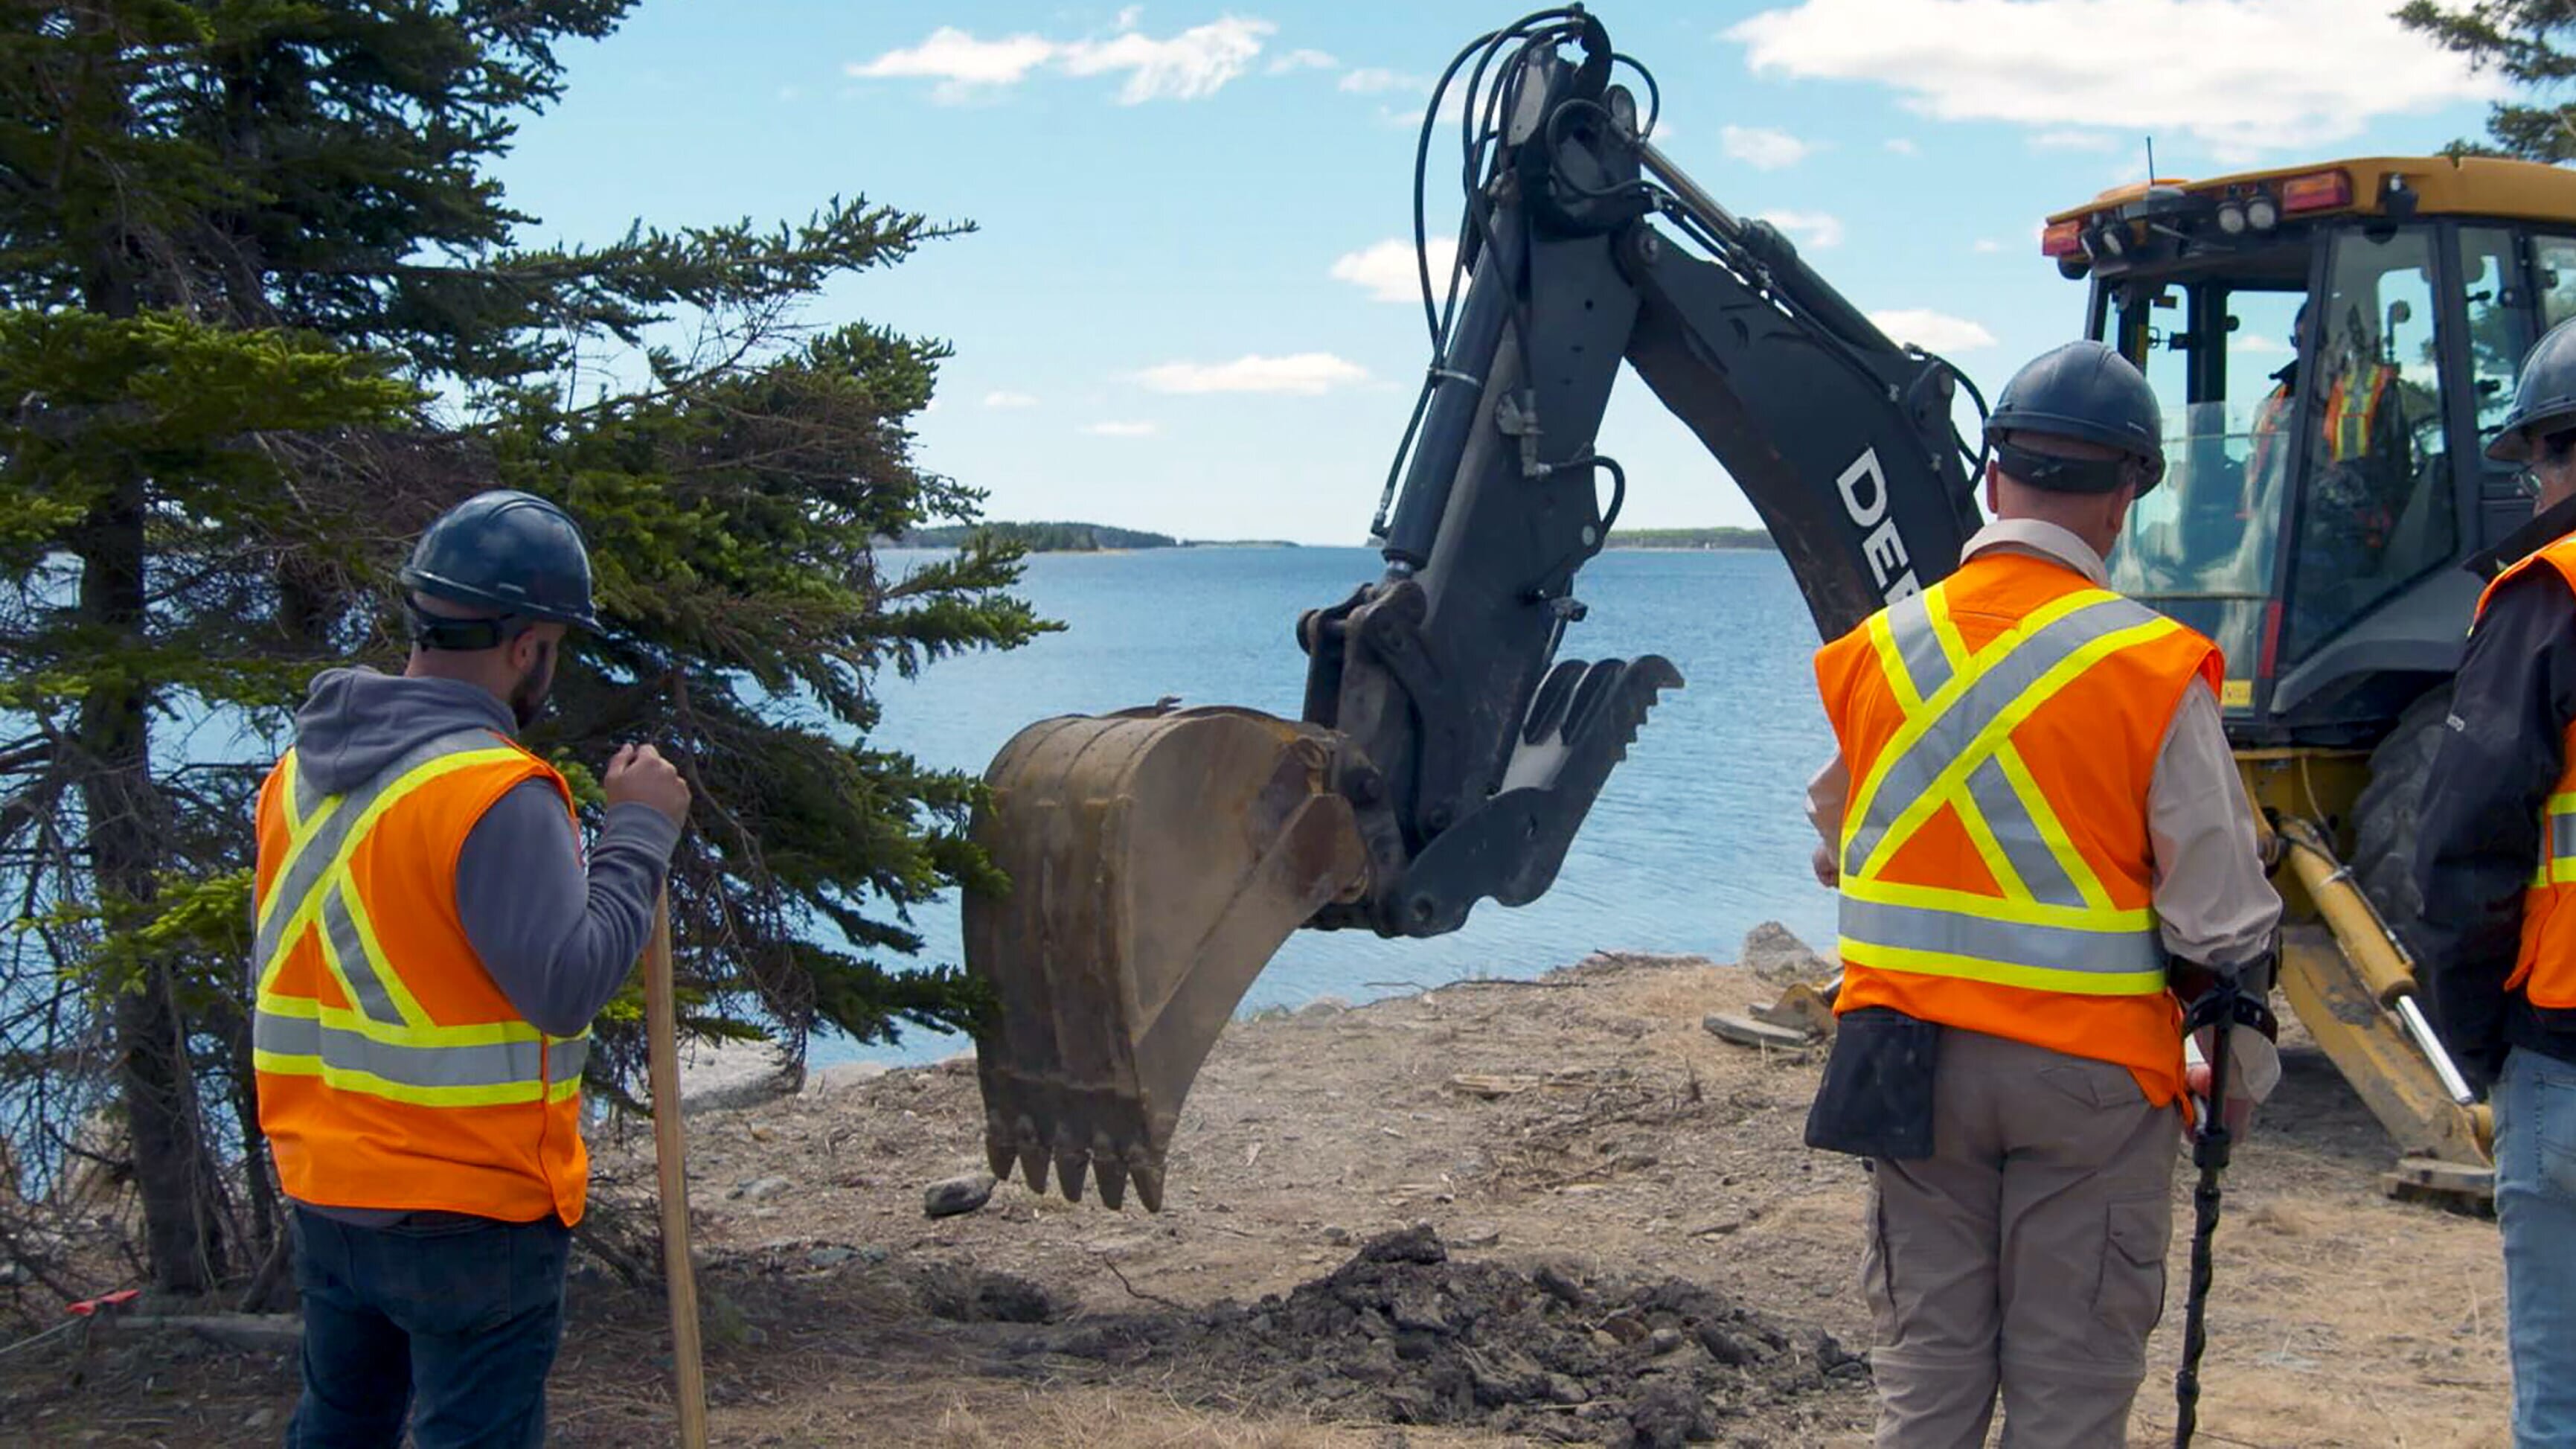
1149, 1181
997, 1146
1070, 1163
1033, 1155
1112, 1175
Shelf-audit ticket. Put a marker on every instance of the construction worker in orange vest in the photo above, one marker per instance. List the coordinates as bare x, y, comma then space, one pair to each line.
2496, 861
2041, 842
430, 950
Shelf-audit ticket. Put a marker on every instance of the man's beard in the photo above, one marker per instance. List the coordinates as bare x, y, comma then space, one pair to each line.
528, 696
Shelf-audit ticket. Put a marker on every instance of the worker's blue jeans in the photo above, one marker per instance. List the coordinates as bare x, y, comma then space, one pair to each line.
461, 1315
2535, 1121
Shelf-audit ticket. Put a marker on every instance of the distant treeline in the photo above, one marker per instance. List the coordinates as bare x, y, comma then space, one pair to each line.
1044, 537
1691, 538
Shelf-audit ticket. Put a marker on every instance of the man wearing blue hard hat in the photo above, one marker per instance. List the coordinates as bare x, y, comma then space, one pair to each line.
430, 950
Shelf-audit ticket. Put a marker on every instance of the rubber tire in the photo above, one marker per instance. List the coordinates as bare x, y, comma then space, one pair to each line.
2388, 818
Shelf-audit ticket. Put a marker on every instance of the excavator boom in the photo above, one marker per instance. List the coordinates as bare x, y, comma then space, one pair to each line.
1446, 754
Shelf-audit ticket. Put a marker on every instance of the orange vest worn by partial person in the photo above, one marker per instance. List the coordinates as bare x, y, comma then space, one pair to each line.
2001, 730
392, 1072
2544, 970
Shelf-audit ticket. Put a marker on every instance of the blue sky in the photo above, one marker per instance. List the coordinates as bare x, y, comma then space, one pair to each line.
1171, 316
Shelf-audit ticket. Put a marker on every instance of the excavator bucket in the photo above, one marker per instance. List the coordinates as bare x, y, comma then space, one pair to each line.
1155, 861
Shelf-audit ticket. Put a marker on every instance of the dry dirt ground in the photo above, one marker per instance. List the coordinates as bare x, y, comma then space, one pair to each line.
1626, 1244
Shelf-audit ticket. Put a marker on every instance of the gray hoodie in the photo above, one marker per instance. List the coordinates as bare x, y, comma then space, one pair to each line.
558, 940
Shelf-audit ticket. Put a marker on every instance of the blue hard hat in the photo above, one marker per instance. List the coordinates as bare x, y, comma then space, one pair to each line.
2089, 391
511, 552
2544, 398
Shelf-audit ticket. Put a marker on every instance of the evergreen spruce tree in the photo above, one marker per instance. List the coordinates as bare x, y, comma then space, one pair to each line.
2525, 42
263, 314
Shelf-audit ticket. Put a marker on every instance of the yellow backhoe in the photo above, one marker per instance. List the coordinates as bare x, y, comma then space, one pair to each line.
2332, 343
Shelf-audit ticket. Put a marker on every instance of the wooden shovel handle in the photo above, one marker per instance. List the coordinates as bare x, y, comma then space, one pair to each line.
662, 1024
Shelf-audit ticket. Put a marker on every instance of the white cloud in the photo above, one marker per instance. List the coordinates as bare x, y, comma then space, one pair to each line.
1122, 430
2256, 342
791, 93
1903, 147
1808, 228
1762, 148
1303, 60
1389, 272
1988, 244
2240, 76
1128, 17
1301, 374
963, 65
1009, 400
1196, 62
1371, 81
1932, 331
1453, 109
2071, 140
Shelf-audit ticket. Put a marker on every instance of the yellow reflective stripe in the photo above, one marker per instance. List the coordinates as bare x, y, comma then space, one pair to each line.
414, 1018
1919, 723
1981, 834
295, 843
1892, 663
288, 787
331, 961
2003, 723
350, 1079
1936, 607
341, 1018
2000, 973
2052, 831
307, 913
2027, 913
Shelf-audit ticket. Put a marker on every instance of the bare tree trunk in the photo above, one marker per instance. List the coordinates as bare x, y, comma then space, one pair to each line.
182, 1218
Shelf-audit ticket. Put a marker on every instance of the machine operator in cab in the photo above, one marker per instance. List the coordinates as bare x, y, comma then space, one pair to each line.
2040, 840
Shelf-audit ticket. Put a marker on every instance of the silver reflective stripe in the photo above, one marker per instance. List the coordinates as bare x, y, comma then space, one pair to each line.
2012, 943
349, 949
308, 796
1927, 665
2562, 836
489, 1064
304, 872
1972, 709
2019, 835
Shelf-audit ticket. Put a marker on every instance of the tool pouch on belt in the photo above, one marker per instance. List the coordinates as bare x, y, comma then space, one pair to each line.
1876, 1099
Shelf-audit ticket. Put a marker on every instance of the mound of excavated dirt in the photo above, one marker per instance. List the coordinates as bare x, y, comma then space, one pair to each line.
1403, 1333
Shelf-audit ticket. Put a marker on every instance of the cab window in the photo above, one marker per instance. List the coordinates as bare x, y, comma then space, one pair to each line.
2375, 506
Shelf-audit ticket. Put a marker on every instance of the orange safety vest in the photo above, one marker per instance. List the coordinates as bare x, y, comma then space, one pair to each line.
392, 1072
2001, 729
2544, 970
2271, 428
2352, 414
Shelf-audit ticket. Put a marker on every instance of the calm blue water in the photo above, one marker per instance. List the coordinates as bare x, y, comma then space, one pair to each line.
1699, 836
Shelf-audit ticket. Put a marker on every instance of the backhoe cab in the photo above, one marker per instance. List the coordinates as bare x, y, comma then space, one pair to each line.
2335, 344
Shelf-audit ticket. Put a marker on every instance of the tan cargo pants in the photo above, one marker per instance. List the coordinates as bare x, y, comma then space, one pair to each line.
2027, 1253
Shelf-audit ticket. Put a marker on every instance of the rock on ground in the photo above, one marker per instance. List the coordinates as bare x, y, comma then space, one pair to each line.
1776, 957
951, 1196
723, 1075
